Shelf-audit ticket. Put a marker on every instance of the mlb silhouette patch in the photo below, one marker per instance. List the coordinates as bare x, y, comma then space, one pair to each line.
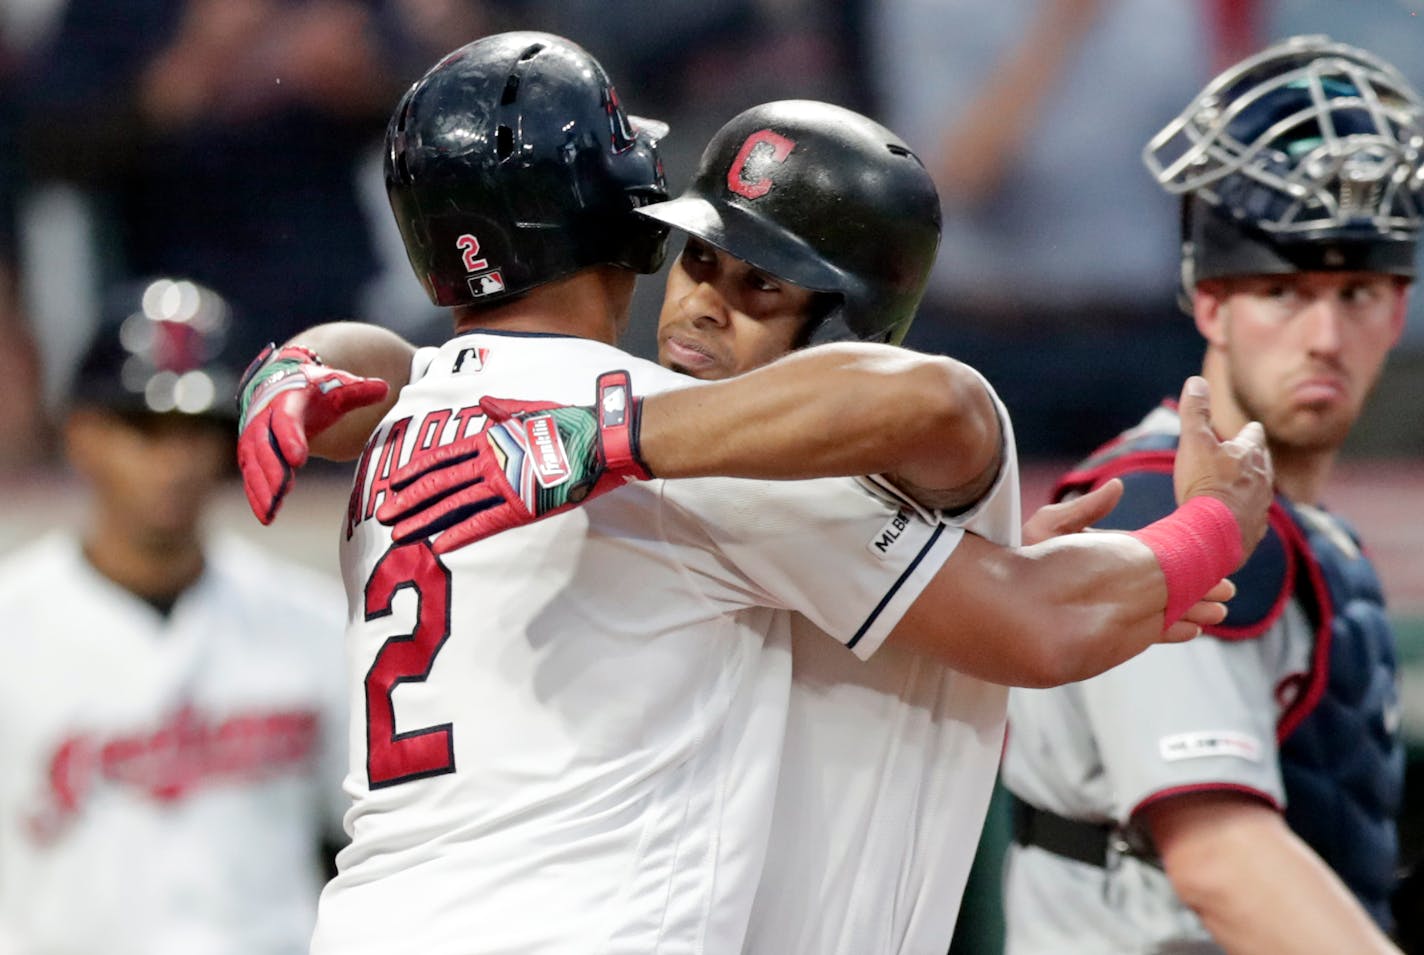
487, 284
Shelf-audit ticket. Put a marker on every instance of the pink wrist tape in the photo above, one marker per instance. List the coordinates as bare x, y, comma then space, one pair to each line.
1196, 545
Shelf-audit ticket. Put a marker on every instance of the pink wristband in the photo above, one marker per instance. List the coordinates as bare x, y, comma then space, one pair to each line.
1196, 545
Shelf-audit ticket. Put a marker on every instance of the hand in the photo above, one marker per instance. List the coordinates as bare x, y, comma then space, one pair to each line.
1237, 472
286, 398
529, 462
1206, 612
1074, 515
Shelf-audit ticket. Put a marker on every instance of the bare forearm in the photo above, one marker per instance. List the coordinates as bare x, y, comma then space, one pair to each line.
830, 411
1257, 887
1038, 616
366, 350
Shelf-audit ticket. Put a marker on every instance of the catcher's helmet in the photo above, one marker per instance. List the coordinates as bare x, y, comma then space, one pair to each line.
511, 163
160, 346
822, 197
1305, 157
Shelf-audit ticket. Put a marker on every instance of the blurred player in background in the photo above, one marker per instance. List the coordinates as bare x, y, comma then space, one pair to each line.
173, 725
1239, 793
636, 784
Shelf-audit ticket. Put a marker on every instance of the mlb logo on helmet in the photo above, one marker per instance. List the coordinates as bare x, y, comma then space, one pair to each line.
750, 175
486, 284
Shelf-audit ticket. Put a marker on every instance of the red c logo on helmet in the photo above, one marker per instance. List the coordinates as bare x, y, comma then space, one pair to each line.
779, 147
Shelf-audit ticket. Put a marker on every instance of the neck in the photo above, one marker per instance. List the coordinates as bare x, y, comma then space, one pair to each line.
1301, 475
583, 305
156, 570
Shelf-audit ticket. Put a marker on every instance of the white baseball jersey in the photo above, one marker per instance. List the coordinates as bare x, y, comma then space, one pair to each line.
165, 782
885, 779
572, 729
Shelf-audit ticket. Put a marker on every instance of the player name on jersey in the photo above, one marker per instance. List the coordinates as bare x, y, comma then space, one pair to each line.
391, 447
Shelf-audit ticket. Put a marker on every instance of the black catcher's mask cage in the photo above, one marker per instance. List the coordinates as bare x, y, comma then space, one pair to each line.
1304, 157
824, 198
161, 346
512, 163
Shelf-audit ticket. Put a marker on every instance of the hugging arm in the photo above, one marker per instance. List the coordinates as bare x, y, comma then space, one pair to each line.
836, 410
1072, 606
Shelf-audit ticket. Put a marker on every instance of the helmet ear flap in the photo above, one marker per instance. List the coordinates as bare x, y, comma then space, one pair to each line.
1187, 273
1188, 276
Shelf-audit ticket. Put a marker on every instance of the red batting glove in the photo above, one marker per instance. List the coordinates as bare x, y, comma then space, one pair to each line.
287, 397
530, 461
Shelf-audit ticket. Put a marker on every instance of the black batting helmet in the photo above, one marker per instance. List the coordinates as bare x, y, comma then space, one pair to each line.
822, 197
511, 163
160, 346
1304, 157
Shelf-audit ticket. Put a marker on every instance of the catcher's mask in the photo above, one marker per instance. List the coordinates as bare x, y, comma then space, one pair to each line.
1304, 157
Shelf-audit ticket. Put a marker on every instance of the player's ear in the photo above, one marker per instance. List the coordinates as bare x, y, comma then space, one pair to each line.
83, 433
1403, 290
1209, 308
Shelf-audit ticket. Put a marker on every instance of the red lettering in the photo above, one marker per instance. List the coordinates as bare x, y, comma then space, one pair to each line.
390, 460
468, 421
358, 486
431, 429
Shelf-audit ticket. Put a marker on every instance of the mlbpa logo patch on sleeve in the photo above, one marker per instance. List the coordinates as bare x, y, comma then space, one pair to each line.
1205, 743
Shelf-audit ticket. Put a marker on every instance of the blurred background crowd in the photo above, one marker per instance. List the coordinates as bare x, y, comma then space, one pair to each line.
236, 143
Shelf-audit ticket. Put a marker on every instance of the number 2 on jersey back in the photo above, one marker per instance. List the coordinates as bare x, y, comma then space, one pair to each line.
391, 757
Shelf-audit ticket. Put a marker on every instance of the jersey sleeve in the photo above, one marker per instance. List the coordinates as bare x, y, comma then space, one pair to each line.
1184, 717
997, 515
851, 561
421, 361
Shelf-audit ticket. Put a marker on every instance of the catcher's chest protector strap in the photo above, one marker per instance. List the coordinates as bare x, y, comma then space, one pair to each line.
1342, 760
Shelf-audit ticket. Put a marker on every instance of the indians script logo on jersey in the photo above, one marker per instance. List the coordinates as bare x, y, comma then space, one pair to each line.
167, 762
753, 170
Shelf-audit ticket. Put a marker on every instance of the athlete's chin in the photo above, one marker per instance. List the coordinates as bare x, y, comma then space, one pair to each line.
1313, 429
685, 360
701, 373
